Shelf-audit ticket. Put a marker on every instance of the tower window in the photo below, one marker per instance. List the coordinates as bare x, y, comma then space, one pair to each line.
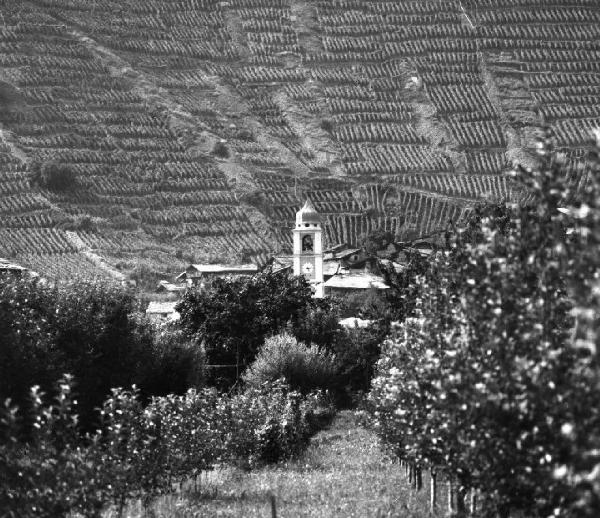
307, 224
307, 244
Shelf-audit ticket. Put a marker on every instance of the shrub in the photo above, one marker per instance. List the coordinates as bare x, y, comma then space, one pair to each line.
326, 125
91, 331
57, 177
124, 222
356, 352
317, 324
175, 364
80, 223
303, 368
54, 473
221, 150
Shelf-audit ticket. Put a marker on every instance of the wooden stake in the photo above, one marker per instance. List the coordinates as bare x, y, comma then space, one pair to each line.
473, 503
461, 495
450, 498
273, 506
432, 491
419, 477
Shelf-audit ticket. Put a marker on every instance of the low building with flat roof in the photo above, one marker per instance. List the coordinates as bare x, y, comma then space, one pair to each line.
161, 312
197, 274
345, 283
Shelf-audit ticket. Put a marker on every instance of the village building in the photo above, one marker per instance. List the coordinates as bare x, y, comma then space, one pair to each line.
196, 275
336, 270
355, 282
169, 287
308, 247
10, 269
162, 312
355, 323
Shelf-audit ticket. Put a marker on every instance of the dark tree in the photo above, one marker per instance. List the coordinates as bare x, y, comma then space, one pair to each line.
232, 318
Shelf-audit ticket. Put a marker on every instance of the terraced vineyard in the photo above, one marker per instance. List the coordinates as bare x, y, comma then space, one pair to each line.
193, 129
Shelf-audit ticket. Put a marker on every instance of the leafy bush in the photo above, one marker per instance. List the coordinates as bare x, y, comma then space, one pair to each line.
317, 323
91, 331
221, 150
174, 364
356, 352
487, 383
124, 222
303, 368
57, 177
326, 125
53, 473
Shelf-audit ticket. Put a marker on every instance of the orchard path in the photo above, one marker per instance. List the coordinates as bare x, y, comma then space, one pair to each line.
343, 473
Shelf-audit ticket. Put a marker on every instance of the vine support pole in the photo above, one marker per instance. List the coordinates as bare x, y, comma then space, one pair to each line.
461, 495
432, 490
419, 479
450, 498
473, 502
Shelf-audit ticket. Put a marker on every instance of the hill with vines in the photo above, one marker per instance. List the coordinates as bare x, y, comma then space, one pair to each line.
194, 129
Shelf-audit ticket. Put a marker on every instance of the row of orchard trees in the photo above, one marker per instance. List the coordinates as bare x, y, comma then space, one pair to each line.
140, 451
496, 381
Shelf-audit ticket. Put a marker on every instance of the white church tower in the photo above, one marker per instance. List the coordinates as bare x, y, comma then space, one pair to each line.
308, 247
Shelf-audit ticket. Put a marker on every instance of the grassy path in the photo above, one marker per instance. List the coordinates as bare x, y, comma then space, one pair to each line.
343, 473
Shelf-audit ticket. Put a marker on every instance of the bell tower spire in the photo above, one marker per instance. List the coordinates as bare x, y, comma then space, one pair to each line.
308, 247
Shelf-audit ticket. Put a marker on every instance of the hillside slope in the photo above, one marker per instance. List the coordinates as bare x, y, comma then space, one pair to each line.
193, 129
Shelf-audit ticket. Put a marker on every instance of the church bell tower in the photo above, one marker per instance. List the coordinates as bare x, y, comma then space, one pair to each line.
308, 247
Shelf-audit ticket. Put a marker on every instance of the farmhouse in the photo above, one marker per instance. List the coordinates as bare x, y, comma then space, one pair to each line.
197, 274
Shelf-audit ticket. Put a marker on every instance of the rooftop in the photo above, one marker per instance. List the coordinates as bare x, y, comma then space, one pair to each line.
195, 270
357, 281
5, 264
161, 308
354, 322
170, 287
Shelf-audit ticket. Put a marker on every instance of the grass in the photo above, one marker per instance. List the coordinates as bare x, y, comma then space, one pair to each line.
343, 473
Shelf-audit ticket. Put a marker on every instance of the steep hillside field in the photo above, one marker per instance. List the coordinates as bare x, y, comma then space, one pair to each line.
194, 129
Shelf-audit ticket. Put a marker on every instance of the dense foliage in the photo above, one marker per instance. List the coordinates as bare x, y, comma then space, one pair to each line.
487, 382
232, 317
141, 451
303, 367
93, 332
